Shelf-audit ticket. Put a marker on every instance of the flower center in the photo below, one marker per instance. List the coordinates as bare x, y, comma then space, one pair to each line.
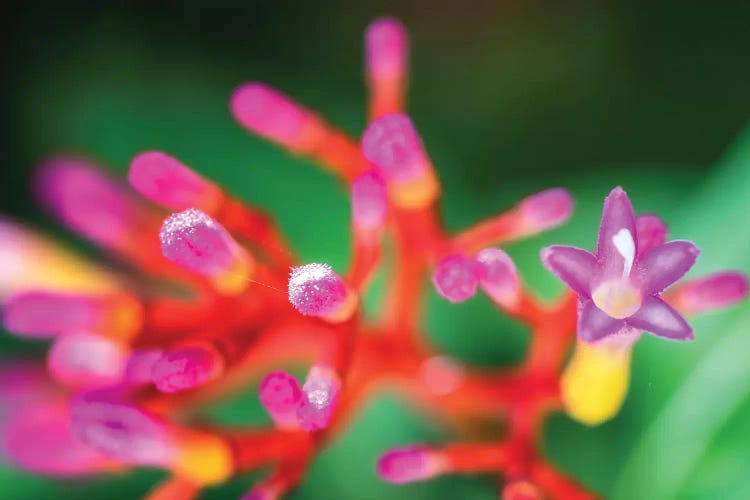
618, 298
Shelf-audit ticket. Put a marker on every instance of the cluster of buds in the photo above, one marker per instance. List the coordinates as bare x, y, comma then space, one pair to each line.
204, 296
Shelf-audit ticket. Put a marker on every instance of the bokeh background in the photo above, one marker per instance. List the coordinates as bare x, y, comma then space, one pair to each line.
511, 97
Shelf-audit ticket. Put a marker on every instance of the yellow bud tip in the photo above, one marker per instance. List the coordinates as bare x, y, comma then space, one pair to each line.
204, 459
595, 382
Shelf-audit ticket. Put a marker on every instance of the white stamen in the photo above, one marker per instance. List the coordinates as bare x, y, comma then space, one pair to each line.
625, 245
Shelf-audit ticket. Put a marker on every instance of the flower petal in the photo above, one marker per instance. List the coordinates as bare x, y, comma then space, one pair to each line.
594, 324
574, 266
658, 318
650, 232
617, 228
663, 265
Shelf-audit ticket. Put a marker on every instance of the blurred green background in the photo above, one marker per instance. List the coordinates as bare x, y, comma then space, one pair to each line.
510, 97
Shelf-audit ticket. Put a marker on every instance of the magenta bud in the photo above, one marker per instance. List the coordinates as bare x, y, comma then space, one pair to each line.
369, 202
170, 183
386, 50
193, 240
320, 395
87, 200
650, 232
546, 209
39, 439
456, 277
711, 292
267, 112
122, 432
391, 144
81, 359
186, 367
281, 395
316, 290
140, 365
46, 314
498, 277
407, 465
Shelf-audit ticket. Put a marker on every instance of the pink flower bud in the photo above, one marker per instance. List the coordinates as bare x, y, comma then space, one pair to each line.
123, 432
369, 202
281, 396
195, 241
546, 209
186, 368
321, 392
392, 144
386, 50
498, 277
407, 465
171, 184
81, 359
456, 277
270, 114
316, 290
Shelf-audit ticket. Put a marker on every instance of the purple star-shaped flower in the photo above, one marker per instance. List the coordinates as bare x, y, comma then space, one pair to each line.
619, 287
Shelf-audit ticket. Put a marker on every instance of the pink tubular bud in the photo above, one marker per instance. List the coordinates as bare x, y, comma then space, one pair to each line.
369, 202
710, 292
80, 359
88, 201
46, 314
39, 440
171, 184
545, 210
281, 395
316, 290
650, 232
320, 395
386, 50
272, 115
140, 365
456, 277
186, 367
195, 241
392, 144
498, 277
122, 432
407, 465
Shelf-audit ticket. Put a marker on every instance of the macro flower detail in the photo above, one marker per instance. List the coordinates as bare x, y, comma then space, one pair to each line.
206, 298
619, 287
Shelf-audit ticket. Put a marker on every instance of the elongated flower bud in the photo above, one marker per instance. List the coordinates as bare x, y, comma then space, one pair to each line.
81, 359
186, 368
88, 201
386, 51
171, 184
456, 277
316, 290
386, 61
407, 465
545, 210
270, 114
369, 203
195, 241
392, 145
39, 440
498, 277
710, 292
45, 314
124, 432
321, 392
281, 396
